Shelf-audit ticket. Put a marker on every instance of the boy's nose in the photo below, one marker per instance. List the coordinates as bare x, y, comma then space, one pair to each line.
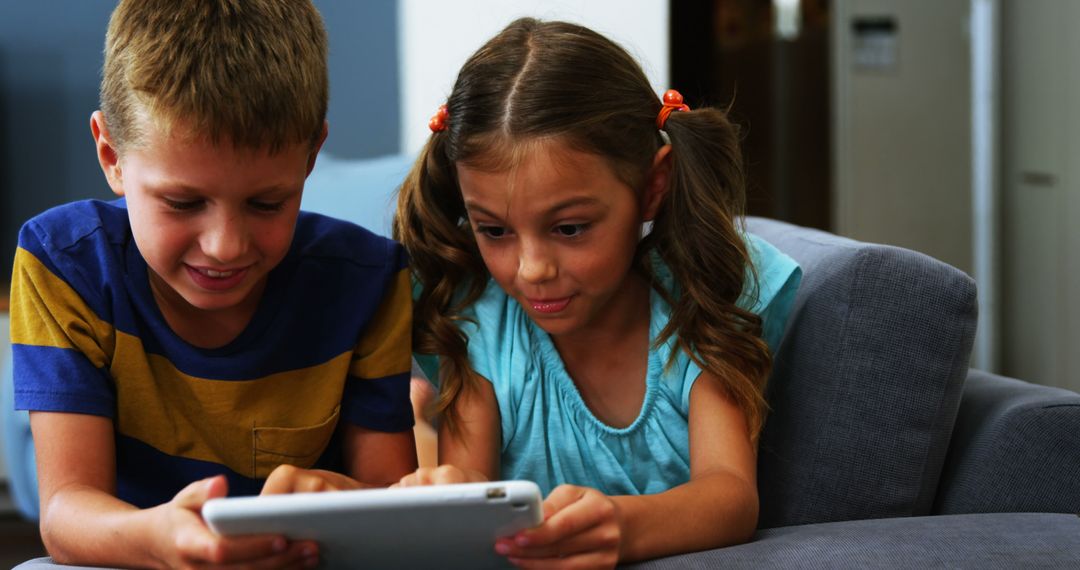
536, 265
226, 240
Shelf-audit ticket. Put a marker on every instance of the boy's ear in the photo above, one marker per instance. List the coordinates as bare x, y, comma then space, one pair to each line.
108, 157
656, 185
318, 145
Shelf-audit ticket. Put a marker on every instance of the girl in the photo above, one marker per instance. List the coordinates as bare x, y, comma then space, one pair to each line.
622, 373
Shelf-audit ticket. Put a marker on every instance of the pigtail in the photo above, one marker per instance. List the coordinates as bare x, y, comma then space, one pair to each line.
698, 234
445, 263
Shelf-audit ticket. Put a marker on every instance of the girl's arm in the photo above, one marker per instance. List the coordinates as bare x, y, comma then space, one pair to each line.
82, 521
717, 507
471, 453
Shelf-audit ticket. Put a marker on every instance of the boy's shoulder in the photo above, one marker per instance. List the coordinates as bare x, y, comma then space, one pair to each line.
64, 226
321, 236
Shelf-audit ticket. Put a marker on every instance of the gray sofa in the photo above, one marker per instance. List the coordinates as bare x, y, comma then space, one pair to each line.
882, 447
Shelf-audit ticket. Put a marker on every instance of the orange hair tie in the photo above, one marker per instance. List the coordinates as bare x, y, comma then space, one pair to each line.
673, 101
438, 121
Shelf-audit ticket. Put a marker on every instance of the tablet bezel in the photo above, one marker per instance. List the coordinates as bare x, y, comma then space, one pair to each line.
446, 526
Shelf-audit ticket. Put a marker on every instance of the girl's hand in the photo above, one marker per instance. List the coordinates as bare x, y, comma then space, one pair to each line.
441, 475
285, 479
581, 529
186, 542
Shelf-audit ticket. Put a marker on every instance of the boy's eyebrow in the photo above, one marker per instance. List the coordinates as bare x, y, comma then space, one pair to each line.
166, 186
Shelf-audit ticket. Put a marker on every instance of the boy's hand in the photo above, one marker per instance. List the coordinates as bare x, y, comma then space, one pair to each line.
188, 543
581, 529
291, 479
441, 475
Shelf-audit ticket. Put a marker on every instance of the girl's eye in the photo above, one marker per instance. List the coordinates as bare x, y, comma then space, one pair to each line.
182, 205
571, 230
493, 232
266, 206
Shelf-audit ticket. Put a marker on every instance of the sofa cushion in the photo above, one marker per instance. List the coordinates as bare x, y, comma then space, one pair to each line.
1013, 540
1003, 423
866, 384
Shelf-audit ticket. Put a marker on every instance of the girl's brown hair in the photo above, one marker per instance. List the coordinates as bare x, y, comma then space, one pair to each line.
537, 81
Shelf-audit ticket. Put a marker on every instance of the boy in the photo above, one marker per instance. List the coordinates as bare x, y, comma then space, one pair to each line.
187, 340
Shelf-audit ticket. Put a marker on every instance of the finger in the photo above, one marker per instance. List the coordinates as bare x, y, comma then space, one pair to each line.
200, 545
448, 475
560, 498
299, 554
602, 537
589, 509
320, 480
281, 480
415, 478
441, 475
195, 494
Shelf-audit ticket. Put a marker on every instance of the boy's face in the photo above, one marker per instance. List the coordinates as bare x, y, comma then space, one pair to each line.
211, 221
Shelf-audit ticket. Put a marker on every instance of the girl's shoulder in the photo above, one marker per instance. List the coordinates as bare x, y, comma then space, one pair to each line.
776, 276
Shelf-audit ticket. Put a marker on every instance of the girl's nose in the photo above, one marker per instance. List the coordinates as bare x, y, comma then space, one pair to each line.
536, 265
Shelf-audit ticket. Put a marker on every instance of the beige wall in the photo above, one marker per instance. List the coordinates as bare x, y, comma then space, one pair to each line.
435, 37
1041, 191
902, 135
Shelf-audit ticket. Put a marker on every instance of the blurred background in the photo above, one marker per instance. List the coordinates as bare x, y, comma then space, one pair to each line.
943, 126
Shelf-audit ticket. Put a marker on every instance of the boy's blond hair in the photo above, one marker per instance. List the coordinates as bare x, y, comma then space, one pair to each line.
250, 72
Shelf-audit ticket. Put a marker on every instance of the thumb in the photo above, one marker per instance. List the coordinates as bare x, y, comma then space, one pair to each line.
194, 495
560, 498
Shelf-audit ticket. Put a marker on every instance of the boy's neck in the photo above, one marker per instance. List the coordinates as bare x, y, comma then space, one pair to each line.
203, 328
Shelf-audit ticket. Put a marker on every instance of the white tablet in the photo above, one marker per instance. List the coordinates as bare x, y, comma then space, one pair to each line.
439, 526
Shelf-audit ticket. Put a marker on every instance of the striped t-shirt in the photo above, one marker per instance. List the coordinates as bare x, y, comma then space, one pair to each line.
329, 343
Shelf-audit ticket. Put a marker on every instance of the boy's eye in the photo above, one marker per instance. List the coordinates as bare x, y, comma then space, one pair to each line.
494, 232
266, 206
182, 205
571, 230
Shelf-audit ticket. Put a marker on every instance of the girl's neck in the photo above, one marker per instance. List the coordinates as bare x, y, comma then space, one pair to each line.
609, 362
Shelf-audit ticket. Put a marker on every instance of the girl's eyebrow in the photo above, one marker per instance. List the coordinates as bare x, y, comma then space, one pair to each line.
574, 201
472, 206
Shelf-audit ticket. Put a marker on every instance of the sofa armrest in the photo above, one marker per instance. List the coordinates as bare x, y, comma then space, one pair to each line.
1015, 448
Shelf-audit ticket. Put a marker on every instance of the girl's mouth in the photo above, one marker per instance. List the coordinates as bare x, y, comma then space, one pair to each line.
549, 306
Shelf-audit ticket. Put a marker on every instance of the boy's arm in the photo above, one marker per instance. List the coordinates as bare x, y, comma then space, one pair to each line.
378, 458
82, 522
717, 507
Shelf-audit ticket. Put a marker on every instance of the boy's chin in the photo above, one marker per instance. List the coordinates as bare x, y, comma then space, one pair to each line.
211, 301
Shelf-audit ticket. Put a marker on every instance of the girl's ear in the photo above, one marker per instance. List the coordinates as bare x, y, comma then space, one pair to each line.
656, 184
108, 158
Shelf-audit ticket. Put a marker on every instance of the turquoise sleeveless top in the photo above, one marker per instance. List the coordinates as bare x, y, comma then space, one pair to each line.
548, 433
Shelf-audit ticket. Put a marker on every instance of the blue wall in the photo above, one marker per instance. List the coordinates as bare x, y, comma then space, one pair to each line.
50, 64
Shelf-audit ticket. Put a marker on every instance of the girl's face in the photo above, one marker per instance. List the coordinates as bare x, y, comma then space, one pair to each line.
558, 233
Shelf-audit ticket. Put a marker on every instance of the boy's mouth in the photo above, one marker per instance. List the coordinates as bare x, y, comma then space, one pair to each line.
216, 279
